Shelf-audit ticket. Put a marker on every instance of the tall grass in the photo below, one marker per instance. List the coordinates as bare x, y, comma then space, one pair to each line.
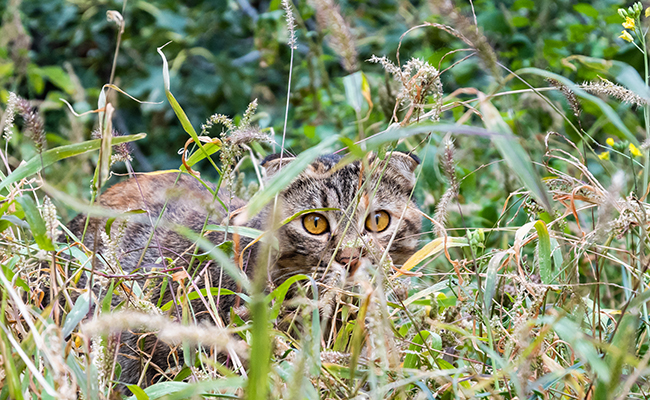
550, 302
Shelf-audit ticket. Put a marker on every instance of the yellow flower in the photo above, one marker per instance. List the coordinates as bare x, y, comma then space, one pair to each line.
635, 151
604, 155
629, 23
647, 12
610, 141
625, 35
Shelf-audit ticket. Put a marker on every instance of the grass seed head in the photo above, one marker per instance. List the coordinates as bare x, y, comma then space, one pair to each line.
420, 84
340, 37
34, 127
291, 24
617, 91
9, 115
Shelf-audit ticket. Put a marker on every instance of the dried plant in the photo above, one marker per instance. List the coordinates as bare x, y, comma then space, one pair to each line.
122, 150
449, 168
8, 117
339, 36
234, 137
469, 31
569, 95
603, 86
420, 84
33, 124
291, 24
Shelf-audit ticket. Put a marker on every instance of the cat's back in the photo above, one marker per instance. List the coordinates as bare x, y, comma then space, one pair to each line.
153, 208
152, 192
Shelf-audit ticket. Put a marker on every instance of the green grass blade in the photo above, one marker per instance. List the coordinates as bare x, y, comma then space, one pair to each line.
260, 355
395, 132
491, 281
353, 84
178, 110
544, 253
12, 379
138, 392
208, 150
514, 154
289, 172
281, 292
195, 295
622, 347
78, 312
36, 223
51, 156
246, 232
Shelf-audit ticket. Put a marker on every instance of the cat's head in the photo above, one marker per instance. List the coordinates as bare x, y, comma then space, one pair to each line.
368, 210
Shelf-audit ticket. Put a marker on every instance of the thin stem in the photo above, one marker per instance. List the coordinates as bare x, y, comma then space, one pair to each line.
286, 111
646, 114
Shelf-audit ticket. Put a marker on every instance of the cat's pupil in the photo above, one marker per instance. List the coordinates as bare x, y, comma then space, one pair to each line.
317, 221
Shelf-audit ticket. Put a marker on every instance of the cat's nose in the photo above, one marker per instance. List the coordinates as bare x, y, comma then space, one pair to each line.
349, 257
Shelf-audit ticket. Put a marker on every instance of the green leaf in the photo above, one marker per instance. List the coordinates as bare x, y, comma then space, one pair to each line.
544, 253
138, 392
491, 281
109, 221
358, 334
246, 232
178, 110
59, 78
195, 295
413, 358
108, 298
158, 390
289, 172
208, 150
12, 374
514, 154
51, 156
184, 390
556, 252
257, 385
78, 312
395, 132
280, 293
353, 90
36, 223
622, 346
586, 9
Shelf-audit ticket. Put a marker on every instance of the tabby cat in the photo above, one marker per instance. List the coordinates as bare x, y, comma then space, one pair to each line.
369, 206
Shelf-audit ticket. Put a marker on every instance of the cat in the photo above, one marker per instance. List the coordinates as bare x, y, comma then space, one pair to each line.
357, 207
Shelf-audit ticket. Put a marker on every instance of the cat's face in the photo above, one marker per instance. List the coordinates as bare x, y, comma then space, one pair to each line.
367, 210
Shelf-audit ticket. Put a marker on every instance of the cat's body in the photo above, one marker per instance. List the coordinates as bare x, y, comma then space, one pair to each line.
330, 244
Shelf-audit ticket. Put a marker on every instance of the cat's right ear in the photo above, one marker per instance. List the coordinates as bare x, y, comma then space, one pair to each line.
272, 163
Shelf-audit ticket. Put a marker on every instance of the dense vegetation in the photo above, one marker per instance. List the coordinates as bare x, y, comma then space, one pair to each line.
532, 120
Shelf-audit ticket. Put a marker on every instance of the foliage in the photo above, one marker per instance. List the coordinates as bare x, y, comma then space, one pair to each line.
533, 131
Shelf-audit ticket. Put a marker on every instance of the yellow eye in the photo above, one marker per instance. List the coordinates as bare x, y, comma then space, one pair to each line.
377, 221
315, 223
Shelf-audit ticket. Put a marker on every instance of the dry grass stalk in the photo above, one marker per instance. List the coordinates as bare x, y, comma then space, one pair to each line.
339, 37
468, 32
617, 91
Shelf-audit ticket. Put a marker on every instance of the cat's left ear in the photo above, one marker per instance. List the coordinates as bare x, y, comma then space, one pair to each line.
401, 166
272, 163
